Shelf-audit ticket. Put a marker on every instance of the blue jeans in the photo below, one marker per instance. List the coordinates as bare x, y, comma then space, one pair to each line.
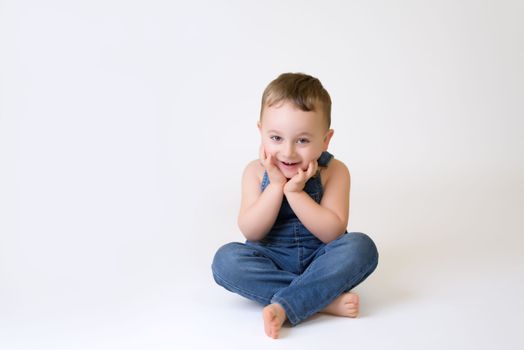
293, 268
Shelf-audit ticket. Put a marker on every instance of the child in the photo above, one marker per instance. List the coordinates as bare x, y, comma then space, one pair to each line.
298, 258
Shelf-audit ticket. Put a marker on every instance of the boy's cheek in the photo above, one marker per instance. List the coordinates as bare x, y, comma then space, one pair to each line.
269, 149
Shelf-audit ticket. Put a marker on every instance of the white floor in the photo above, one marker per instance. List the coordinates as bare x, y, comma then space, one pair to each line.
449, 277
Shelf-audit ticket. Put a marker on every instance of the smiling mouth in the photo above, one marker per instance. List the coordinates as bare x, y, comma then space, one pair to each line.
289, 164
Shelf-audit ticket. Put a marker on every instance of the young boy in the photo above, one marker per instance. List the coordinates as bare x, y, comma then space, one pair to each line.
298, 258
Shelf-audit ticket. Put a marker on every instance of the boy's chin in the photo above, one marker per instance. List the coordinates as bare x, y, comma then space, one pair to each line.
289, 174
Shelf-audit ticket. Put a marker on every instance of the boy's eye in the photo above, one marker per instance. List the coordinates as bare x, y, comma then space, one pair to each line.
303, 141
275, 138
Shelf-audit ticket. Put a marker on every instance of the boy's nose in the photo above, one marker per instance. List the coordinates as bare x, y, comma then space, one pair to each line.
289, 150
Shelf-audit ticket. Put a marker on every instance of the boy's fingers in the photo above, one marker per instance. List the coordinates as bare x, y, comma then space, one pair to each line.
309, 168
270, 160
270, 166
312, 169
262, 154
302, 175
267, 160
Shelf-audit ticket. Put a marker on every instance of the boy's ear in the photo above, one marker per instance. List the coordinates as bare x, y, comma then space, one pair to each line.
259, 126
327, 138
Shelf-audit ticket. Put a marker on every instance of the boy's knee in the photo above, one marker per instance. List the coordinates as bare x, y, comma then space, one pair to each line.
225, 256
355, 253
363, 240
361, 245
227, 262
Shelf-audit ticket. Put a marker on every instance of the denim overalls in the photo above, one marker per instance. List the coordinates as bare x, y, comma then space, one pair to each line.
292, 267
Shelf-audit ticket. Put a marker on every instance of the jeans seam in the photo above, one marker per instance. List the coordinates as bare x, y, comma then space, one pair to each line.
299, 250
249, 294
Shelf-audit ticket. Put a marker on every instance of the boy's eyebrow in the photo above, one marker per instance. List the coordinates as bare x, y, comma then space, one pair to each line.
302, 133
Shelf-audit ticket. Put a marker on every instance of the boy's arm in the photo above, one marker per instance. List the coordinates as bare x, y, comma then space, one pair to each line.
258, 210
328, 220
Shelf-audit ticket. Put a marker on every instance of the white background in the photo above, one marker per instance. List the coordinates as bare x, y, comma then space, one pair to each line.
125, 127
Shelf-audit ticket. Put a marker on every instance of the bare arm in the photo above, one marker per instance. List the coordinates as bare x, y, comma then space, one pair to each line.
329, 219
258, 210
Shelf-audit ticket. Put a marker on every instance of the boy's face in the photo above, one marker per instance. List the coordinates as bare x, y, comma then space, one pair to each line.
293, 137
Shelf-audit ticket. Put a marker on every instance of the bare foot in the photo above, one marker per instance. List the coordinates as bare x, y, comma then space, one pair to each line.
347, 305
274, 316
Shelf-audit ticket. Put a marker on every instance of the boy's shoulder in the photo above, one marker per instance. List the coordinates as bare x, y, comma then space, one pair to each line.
337, 165
254, 168
334, 169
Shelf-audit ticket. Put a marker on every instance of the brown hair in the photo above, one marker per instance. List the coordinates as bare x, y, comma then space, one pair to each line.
304, 91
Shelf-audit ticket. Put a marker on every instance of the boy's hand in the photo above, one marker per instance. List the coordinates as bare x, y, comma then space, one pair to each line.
297, 182
275, 175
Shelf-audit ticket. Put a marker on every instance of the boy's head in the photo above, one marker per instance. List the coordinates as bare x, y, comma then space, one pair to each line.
294, 121
303, 91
